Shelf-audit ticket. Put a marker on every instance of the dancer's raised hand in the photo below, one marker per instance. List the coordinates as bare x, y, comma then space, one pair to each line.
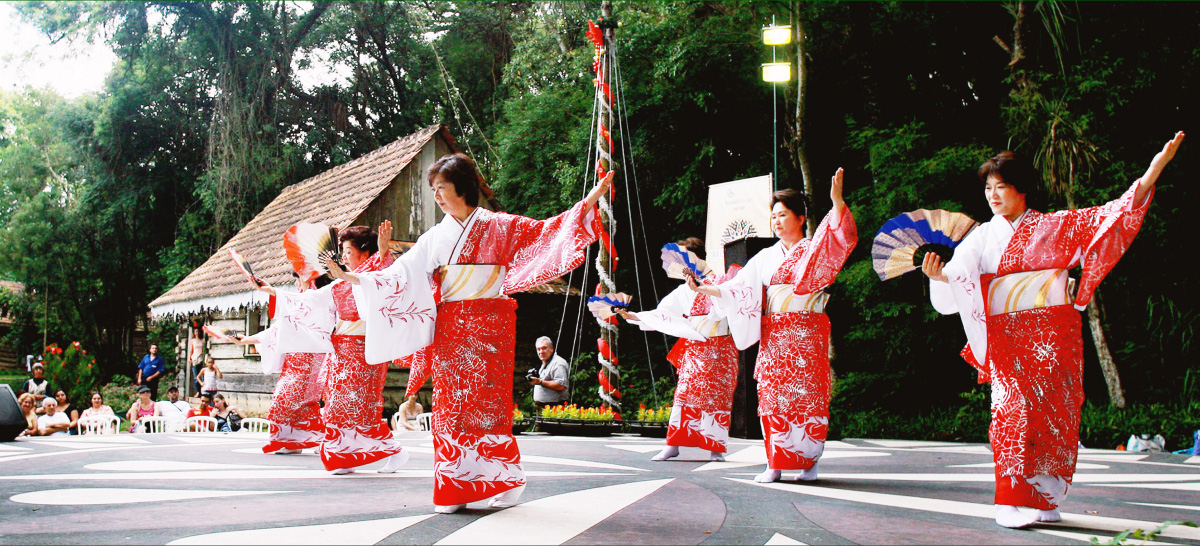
1156, 167
385, 236
835, 192
600, 190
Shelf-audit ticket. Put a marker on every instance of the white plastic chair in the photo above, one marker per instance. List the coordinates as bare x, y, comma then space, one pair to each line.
153, 425
99, 424
200, 423
255, 424
425, 421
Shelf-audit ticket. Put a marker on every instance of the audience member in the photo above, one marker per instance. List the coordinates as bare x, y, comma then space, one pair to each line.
143, 407
550, 384
208, 377
195, 357
36, 385
52, 422
174, 409
97, 409
66, 408
150, 370
229, 418
29, 410
408, 413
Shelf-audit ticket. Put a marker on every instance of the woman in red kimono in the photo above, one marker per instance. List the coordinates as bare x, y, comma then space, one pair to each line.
792, 369
449, 292
1008, 282
355, 433
707, 361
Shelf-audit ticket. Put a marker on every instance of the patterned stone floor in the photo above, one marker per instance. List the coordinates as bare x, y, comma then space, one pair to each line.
202, 488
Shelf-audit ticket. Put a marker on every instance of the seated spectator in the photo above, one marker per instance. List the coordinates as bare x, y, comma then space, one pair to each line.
208, 377
37, 385
29, 410
97, 409
229, 418
174, 409
143, 407
408, 413
205, 409
66, 408
52, 422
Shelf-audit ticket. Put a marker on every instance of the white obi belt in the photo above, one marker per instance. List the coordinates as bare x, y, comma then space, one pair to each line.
462, 282
782, 298
1029, 290
708, 326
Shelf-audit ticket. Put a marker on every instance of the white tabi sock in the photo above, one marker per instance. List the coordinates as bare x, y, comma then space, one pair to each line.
1050, 515
1009, 516
508, 498
808, 474
666, 453
447, 509
343, 471
769, 475
394, 463
716, 456
286, 451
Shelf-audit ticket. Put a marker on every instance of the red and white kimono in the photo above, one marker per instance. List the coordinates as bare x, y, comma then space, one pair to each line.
792, 369
707, 361
1008, 282
355, 433
295, 413
469, 324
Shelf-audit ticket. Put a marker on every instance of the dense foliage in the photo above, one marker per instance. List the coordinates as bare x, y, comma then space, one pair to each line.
109, 199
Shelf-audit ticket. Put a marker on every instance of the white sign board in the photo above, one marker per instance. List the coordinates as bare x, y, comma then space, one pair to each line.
736, 210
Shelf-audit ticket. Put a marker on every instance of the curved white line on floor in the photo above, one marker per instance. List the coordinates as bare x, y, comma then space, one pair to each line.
757, 455
1171, 506
115, 495
158, 466
639, 448
1081, 521
547, 460
259, 451
1187, 486
972, 477
219, 438
555, 519
309, 474
354, 532
782, 540
1095, 539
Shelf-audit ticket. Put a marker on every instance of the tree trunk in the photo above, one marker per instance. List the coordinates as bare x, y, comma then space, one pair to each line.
1116, 395
798, 149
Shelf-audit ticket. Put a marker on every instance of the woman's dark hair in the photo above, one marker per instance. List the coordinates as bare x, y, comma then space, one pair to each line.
66, 395
96, 393
694, 244
460, 170
794, 200
362, 237
1012, 169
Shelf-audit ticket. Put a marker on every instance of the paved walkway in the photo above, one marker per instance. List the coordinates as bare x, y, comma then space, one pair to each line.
202, 488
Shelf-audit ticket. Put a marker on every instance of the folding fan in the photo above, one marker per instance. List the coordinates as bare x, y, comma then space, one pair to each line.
680, 263
244, 267
604, 307
902, 242
224, 336
307, 245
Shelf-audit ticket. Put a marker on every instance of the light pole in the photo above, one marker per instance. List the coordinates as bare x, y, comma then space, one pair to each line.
775, 72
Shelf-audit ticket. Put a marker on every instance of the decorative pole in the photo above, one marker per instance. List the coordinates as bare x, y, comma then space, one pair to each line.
601, 34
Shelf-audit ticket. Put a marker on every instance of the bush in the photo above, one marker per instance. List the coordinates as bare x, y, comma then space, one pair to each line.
1106, 427
120, 394
72, 370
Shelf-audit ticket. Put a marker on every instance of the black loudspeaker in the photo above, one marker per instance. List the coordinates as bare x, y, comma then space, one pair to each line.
12, 421
743, 420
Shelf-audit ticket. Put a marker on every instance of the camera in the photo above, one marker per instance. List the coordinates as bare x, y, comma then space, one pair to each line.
531, 374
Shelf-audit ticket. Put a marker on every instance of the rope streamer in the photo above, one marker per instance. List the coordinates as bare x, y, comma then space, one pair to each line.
606, 260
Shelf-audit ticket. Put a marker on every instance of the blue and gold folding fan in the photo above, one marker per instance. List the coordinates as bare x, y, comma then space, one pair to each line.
902, 242
680, 263
604, 307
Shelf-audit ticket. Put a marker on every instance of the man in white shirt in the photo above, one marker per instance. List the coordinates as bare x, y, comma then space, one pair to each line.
53, 422
174, 409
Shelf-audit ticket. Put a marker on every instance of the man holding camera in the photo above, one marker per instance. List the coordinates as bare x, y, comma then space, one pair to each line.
550, 381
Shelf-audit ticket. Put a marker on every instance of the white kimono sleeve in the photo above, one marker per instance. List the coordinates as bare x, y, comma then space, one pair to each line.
268, 349
741, 302
963, 291
305, 321
669, 317
397, 303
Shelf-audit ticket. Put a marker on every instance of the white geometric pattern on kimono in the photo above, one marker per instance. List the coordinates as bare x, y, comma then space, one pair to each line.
797, 439
470, 466
707, 425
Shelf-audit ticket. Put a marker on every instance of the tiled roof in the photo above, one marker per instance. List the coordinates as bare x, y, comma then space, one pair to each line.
335, 197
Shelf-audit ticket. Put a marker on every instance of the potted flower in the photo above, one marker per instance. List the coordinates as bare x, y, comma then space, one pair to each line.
572, 420
520, 422
650, 422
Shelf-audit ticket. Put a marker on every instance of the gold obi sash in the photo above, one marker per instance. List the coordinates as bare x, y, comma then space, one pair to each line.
709, 326
782, 298
350, 328
1029, 290
471, 281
